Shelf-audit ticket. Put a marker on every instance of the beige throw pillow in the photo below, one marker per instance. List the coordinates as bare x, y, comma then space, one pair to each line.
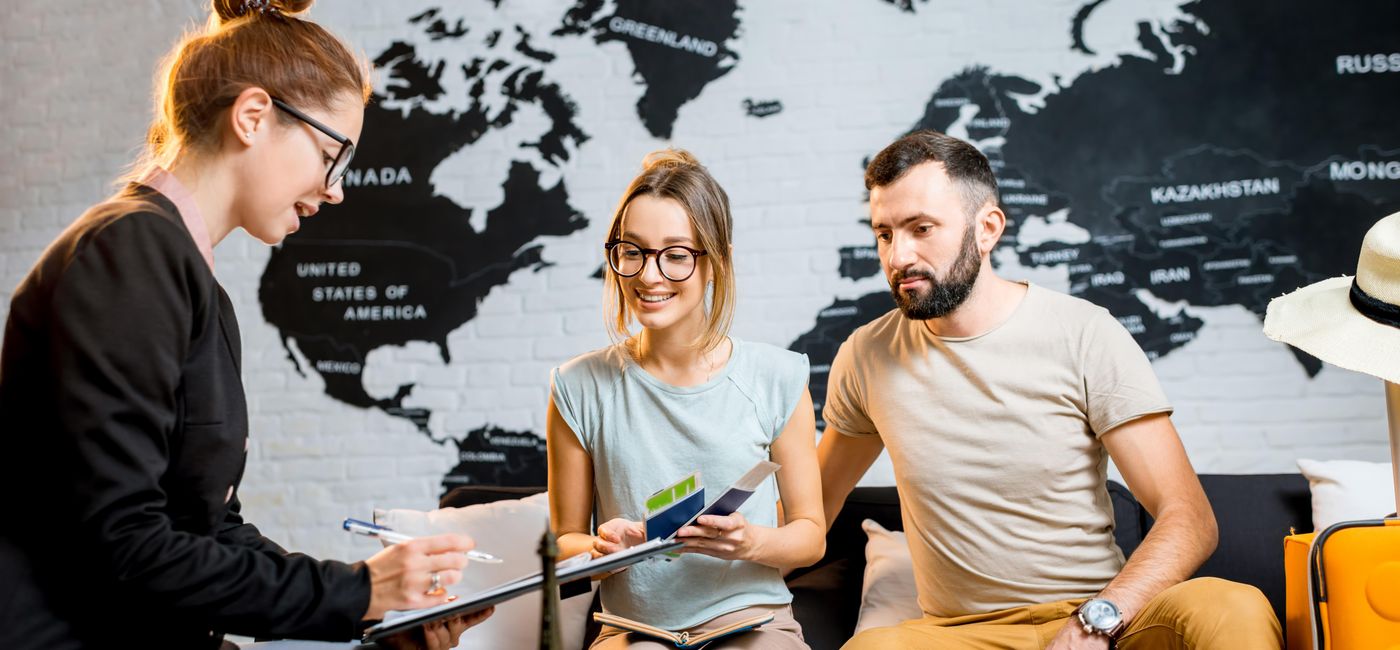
889, 594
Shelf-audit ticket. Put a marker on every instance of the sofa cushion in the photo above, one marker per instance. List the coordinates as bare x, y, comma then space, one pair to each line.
1348, 490
888, 593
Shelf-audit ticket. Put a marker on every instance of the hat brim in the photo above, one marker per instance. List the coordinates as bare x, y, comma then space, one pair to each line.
1320, 320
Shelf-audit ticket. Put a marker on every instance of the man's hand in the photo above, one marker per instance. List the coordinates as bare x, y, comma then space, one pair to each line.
1073, 637
727, 538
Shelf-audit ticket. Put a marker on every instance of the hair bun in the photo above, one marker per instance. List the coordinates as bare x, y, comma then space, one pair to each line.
669, 158
229, 10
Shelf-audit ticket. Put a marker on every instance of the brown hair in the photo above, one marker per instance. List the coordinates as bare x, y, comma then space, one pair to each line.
246, 43
675, 174
964, 164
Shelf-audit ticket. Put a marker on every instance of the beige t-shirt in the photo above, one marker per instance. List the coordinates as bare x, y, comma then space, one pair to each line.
1003, 495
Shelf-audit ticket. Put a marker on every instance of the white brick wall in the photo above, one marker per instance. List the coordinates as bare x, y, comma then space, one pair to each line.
75, 104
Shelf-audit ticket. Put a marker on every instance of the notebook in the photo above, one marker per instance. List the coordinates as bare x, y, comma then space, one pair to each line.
682, 639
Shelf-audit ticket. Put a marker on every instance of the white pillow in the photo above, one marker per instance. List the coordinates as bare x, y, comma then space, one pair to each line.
889, 594
1345, 490
509, 530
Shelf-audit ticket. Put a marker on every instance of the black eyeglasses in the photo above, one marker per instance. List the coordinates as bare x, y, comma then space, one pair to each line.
347, 148
676, 263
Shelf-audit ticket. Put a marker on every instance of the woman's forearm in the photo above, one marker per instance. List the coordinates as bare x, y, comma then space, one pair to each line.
798, 543
571, 544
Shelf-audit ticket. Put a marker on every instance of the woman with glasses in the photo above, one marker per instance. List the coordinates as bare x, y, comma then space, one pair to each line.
126, 428
677, 397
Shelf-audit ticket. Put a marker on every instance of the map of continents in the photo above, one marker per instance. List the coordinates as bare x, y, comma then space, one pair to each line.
401, 263
1245, 156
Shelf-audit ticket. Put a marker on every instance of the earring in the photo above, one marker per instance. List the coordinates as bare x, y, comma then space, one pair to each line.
249, 134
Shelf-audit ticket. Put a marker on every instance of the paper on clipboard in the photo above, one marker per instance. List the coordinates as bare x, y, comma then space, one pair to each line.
568, 571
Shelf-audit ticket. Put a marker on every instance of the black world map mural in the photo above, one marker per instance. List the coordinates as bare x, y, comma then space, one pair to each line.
1243, 155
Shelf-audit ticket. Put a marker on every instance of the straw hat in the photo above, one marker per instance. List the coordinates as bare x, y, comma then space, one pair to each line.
1349, 322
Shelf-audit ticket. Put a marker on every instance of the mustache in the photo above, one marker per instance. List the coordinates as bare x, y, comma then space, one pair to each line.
900, 276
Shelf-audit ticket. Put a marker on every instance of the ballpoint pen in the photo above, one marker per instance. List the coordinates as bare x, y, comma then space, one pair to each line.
393, 537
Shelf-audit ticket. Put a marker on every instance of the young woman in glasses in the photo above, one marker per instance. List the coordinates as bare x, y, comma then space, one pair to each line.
680, 396
126, 428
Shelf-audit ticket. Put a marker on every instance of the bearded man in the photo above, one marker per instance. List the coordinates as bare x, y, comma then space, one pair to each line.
1000, 403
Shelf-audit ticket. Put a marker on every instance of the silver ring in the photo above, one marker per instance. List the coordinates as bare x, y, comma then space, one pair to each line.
436, 585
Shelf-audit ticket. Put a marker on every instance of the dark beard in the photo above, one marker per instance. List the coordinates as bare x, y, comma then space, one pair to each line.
942, 297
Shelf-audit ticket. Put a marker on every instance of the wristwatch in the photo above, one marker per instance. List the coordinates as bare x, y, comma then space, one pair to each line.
1099, 616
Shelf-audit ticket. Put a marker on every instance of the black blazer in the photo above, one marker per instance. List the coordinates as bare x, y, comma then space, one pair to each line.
124, 438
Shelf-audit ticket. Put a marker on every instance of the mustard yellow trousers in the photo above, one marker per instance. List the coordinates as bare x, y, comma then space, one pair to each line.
1199, 614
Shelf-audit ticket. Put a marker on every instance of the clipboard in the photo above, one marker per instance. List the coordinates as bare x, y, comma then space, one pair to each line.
398, 622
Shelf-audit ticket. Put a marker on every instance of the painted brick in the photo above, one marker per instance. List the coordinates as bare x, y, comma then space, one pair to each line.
1243, 403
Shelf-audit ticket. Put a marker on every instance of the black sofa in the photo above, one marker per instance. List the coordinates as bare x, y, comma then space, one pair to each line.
1254, 512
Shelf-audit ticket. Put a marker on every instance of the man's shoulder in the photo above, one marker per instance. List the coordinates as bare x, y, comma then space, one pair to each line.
1063, 306
1083, 325
1063, 303
882, 330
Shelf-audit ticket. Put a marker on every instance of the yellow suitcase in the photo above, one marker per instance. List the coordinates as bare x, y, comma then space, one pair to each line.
1343, 587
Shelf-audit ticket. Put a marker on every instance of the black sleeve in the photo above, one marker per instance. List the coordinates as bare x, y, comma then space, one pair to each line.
234, 530
125, 309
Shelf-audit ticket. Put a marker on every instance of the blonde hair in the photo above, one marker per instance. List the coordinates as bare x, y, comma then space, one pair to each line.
245, 44
675, 174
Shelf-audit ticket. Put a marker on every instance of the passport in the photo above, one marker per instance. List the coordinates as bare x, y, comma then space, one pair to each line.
678, 505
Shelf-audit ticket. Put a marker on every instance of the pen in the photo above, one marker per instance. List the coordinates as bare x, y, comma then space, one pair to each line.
389, 535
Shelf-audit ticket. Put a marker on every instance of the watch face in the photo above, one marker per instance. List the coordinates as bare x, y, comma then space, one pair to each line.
1101, 614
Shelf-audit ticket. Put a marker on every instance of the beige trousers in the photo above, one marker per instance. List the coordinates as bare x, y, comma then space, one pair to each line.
1200, 614
783, 633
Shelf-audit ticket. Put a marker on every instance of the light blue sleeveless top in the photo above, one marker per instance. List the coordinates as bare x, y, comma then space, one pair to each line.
644, 435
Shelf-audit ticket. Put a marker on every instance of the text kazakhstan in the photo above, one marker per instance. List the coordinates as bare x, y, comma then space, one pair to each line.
1214, 191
